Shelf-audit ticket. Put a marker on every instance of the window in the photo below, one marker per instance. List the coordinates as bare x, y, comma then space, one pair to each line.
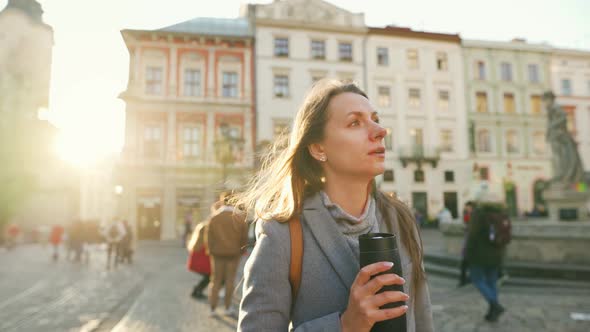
388, 176
388, 140
570, 119
480, 70
281, 86
481, 102
506, 71
484, 173
442, 63
419, 176
443, 100
413, 60
192, 82
152, 141
533, 73
280, 127
384, 98
416, 138
414, 98
191, 147
153, 80
230, 84
382, 56
536, 104
446, 140
345, 51
318, 49
566, 87
281, 47
315, 78
449, 176
484, 141
509, 103
512, 142
539, 142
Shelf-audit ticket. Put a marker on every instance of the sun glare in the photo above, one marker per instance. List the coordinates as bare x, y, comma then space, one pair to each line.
81, 150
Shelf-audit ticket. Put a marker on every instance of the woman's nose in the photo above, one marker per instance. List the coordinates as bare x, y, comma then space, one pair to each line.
379, 132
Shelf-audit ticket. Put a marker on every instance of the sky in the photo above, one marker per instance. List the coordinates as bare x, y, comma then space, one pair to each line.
90, 60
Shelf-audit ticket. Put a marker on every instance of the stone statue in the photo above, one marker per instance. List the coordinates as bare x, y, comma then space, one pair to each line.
567, 165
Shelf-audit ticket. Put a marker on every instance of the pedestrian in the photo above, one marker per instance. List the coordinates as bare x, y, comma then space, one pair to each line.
188, 228
55, 238
485, 254
467, 210
12, 234
76, 240
226, 240
126, 250
199, 261
325, 178
114, 234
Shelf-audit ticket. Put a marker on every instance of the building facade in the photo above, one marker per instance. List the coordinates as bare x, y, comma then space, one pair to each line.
570, 72
37, 188
416, 81
189, 121
505, 82
297, 43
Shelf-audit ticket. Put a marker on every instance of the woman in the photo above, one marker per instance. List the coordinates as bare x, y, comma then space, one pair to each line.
325, 177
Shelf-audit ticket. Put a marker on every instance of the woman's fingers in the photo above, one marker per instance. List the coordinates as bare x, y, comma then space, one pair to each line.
385, 314
368, 271
378, 282
388, 297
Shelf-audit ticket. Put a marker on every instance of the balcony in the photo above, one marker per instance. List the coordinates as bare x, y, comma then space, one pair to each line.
419, 154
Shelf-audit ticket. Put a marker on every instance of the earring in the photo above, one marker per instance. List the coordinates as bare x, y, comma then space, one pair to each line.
323, 158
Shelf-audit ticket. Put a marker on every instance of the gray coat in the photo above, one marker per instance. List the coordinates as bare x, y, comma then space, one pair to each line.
329, 269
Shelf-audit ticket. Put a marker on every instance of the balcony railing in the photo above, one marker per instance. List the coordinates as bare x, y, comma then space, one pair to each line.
419, 154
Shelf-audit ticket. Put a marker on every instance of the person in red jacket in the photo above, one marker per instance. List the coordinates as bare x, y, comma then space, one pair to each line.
55, 239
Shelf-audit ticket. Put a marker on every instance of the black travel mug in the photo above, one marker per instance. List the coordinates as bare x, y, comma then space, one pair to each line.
382, 247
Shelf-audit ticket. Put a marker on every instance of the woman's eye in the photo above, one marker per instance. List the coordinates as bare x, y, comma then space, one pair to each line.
377, 120
355, 123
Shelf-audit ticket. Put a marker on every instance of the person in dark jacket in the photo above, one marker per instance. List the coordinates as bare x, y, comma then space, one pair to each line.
467, 211
484, 256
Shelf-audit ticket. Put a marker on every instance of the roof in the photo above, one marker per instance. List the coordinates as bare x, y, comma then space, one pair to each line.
515, 44
236, 27
409, 33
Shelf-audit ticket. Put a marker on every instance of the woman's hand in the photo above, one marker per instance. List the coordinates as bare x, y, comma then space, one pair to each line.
363, 304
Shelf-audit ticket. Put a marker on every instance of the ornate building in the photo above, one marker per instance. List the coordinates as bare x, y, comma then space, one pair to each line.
189, 121
507, 121
297, 43
416, 81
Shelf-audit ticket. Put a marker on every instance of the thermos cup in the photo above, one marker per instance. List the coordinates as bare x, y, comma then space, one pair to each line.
382, 247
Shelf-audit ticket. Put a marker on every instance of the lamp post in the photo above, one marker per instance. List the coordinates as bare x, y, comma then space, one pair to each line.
118, 194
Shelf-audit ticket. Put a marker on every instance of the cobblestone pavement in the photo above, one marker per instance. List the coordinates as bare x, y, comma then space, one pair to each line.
153, 295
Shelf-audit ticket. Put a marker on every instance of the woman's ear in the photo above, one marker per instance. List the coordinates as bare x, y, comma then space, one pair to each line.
317, 151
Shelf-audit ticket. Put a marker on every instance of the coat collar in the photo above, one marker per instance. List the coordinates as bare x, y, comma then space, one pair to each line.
327, 235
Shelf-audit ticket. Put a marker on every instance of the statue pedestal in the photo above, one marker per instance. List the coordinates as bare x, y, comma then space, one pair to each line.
565, 204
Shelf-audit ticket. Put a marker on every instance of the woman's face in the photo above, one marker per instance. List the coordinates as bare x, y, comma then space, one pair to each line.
353, 138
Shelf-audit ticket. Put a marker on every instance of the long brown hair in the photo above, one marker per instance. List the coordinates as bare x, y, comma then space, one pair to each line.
289, 173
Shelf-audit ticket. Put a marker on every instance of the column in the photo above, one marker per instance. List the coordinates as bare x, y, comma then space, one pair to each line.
173, 66
168, 230
210, 88
171, 136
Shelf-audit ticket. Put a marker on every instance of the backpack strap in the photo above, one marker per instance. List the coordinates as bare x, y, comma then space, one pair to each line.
296, 234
